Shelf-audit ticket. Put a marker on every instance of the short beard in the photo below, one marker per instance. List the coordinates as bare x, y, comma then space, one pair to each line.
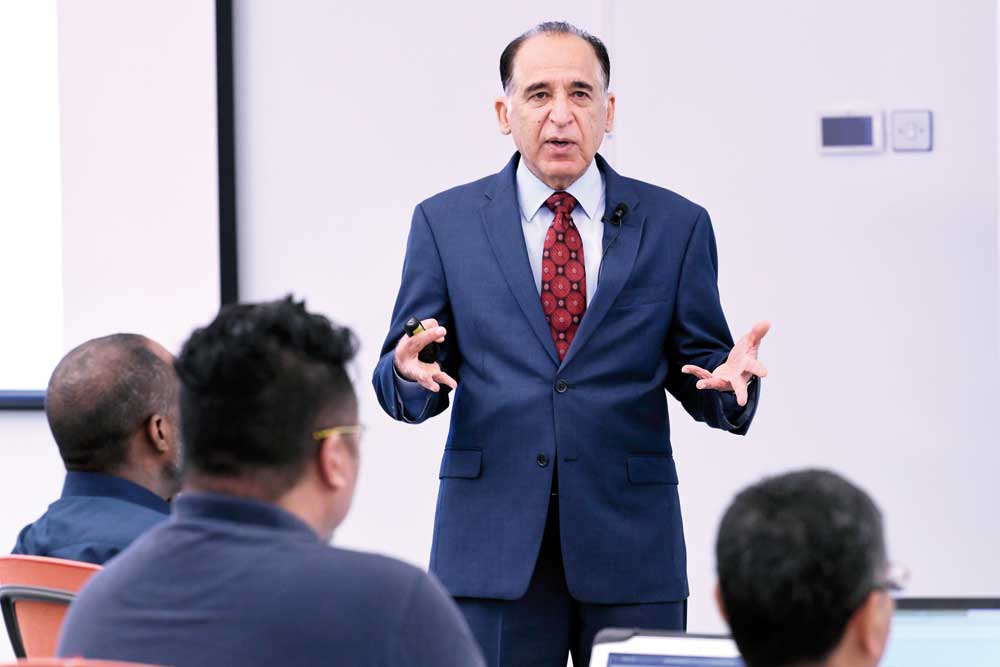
170, 475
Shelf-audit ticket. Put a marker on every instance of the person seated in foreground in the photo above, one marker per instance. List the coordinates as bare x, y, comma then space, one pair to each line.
803, 575
242, 573
112, 407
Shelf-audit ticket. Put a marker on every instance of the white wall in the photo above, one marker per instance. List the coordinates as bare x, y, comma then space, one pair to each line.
880, 273
140, 168
140, 203
31, 476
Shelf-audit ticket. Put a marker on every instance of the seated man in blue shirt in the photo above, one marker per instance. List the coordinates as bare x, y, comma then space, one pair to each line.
112, 407
242, 573
803, 575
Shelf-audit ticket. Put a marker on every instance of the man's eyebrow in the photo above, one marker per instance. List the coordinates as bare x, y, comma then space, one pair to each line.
544, 85
540, 85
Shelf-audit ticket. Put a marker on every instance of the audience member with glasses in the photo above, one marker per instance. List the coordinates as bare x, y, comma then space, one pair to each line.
803, 574
242, 572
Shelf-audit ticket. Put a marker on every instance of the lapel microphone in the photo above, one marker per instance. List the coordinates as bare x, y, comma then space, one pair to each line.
617, 215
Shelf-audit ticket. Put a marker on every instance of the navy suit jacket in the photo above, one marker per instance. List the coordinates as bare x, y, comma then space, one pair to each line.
600, 415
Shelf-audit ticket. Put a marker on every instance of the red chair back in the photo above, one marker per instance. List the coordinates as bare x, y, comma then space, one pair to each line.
34, 595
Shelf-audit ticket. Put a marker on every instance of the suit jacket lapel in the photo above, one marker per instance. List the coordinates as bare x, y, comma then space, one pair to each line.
620, 250
502, 223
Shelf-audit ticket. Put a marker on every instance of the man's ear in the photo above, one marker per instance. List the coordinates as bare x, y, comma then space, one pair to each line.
159, 432
333, 461
609, 125
503, 114
871, 624
719, 603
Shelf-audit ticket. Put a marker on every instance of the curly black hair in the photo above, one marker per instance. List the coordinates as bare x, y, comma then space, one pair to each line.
255, 384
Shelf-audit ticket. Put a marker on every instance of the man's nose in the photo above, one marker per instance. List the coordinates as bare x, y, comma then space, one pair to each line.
560, 113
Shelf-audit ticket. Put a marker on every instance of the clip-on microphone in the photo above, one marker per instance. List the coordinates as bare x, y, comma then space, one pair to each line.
617, 215
616, 219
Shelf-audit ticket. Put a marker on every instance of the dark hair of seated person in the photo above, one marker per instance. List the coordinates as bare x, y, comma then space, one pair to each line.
797, 554
256, 383
100, 393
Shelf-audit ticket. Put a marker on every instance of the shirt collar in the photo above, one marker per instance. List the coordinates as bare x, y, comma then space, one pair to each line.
233, 509
532, 192
110, 486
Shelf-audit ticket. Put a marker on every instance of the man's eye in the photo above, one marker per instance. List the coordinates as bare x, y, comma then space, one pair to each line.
540, 96
580, 94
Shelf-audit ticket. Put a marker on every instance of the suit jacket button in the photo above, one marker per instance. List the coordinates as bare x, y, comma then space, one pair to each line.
562, 386
542, 460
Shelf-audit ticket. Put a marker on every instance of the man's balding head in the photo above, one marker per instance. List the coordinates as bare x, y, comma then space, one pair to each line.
102, 394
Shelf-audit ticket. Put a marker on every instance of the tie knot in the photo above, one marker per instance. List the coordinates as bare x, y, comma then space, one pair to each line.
561, 202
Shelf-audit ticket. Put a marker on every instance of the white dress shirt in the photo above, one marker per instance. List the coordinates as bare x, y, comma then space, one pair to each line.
536, 218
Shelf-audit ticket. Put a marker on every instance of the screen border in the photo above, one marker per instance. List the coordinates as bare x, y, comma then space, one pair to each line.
946, 604
34, 399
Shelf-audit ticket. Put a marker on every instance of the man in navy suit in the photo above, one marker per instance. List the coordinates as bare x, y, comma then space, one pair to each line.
564, 299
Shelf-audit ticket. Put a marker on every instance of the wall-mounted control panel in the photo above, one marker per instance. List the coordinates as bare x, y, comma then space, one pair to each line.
864, 131
851, 132
911, 131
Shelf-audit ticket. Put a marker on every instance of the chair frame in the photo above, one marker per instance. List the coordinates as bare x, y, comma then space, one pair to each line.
11, 595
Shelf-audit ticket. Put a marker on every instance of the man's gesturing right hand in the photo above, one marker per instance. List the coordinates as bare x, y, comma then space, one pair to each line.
411, 368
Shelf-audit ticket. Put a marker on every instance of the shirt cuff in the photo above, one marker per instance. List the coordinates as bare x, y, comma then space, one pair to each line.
737, 417
411, 398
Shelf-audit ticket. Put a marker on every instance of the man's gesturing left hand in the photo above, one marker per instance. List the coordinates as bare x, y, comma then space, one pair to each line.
741, 365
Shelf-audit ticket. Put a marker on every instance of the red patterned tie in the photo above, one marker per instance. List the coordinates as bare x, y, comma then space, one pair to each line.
564, 281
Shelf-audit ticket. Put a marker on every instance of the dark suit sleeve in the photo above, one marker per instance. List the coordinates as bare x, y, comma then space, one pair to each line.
433, 632
423, 293
699, 335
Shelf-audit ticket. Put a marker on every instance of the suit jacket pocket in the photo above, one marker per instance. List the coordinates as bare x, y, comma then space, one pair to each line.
651, 469
461, 463
638, 296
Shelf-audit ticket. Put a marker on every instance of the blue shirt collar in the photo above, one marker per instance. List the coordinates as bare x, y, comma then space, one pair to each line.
110, 486
233, 509
532, 192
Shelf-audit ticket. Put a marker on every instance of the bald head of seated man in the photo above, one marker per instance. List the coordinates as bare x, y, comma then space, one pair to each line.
112, 406
803, 573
